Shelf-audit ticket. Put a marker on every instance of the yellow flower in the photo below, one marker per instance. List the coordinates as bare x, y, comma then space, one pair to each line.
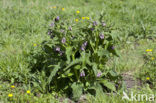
28, 92
152, 58
147, 78
77, 12
54, 7
148, 50
34, 44
87, 18
83, 18
76, 20
10, 95
62, 9
12, 86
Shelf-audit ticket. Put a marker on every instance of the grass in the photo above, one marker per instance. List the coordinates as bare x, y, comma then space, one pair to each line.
24, 23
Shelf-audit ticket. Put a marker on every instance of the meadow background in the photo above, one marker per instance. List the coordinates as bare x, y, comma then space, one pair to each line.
24, 25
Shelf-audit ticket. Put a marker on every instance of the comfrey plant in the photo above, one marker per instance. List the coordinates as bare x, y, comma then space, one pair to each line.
76, 55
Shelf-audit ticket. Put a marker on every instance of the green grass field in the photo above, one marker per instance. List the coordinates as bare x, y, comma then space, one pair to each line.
24, 25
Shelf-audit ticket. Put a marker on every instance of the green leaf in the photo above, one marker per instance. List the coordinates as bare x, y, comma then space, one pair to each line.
53, 72
77, 67
95, 68
95, 89
47, 49
112, 73
114, 34
76, 90
72, 63
69, 54
70, 74
109, 85
102, 52
113, 51
85, 58
67, 75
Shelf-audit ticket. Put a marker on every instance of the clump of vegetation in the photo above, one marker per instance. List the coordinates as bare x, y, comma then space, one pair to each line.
148, 71
76, 54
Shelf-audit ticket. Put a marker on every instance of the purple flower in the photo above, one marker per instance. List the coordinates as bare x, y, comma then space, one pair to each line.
57, 18
102, 36
113, 47
84, 46
58, 49
63, 40
103, 24
49, 32
82, 74
70, 28
85, 43
99, 74
62, 31
92, 29
95, 23
61, 53
52, 24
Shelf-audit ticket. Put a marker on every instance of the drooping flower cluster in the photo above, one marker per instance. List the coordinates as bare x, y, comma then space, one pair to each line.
52, 24
58, 49
99, 74
103, 24
92, 29
70, 28
63, 40
62, 31
84, 46
57, 18
95, 23
82, 74
102, 36
113, 47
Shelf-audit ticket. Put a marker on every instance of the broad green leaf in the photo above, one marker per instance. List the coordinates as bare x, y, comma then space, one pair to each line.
114, 34
53, 72
109, 85
47, 49
69, 54
95, 68
77, 67
112, 73
76, 90
72, 63
102, 52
